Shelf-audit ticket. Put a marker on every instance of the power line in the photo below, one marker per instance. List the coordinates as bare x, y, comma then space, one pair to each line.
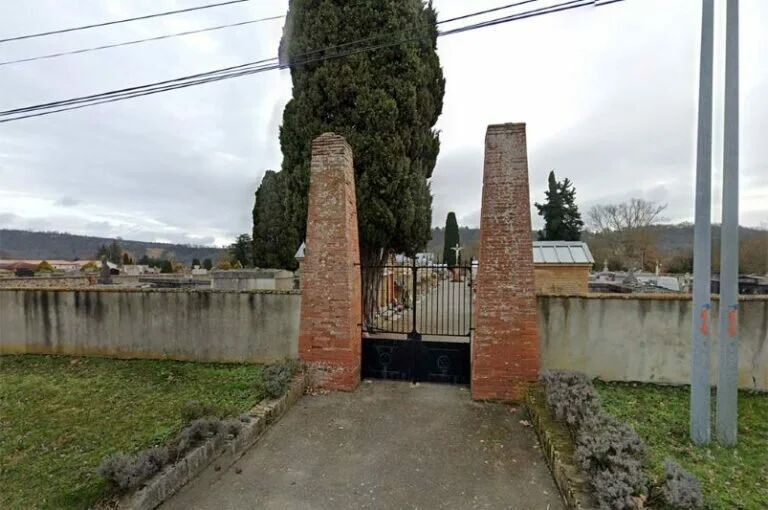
139, 41
257, 67
572, 4
487, 11
244, 70
219, 27
136, 89
116, 22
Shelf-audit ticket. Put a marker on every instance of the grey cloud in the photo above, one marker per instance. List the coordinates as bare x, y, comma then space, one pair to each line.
456, 184
8, 219
184, 165
67, 202
187, 158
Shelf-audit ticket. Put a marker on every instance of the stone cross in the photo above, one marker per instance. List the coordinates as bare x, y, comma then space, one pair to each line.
457, 249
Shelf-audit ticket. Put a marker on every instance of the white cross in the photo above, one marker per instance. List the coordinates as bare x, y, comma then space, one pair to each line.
457, 249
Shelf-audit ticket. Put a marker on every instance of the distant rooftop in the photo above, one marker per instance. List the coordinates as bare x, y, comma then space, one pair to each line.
561, 252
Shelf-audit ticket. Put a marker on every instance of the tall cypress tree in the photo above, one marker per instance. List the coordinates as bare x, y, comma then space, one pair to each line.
271, 246
562, 219
451, 240
241, 250
385, 102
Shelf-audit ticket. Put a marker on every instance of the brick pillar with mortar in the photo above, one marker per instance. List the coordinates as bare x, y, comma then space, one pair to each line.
331, 307
505, 346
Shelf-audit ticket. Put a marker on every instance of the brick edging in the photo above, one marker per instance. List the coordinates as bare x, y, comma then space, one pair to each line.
217, 449
573, 498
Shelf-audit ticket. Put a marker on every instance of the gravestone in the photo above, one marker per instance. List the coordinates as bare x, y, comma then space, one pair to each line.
105, 277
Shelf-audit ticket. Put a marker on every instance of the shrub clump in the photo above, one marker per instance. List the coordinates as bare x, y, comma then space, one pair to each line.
194, 410
609, 452
571, 397
276, 377
681, 489
124, 473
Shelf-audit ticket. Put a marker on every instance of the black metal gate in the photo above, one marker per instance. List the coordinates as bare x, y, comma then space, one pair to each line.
420, 322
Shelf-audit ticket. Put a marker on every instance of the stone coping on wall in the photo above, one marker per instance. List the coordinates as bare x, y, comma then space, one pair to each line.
648, 296
271, 274
209, 461
117, 288
95, 274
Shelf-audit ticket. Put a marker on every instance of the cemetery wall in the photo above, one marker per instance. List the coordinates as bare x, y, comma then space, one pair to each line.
644, 338
199, 325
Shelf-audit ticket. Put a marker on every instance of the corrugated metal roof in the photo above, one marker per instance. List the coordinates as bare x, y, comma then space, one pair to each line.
561, 252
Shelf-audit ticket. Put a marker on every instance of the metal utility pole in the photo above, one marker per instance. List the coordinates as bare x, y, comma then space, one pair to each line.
702, 254
728, 358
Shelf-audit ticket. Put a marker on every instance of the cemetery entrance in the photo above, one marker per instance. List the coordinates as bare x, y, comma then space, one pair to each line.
419, 322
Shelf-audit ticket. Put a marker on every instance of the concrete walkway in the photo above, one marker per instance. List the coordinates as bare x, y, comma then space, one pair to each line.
389, 445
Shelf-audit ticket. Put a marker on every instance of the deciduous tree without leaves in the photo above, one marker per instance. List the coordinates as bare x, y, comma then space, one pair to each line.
624, 227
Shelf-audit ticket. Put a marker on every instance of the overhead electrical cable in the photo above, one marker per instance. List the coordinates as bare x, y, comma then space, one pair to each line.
263, 66
220, 27
116, 22
139, 41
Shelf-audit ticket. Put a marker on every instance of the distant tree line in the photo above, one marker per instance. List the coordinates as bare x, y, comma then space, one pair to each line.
22, 244
622, 235
115, 254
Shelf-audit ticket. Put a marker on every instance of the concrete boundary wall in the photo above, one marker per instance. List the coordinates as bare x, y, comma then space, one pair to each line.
183, 325
644, 338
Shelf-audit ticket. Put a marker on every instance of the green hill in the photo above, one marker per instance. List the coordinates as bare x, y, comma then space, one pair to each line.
23, 244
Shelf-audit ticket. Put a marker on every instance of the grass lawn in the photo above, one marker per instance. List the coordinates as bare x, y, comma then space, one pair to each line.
59, 416
731, 478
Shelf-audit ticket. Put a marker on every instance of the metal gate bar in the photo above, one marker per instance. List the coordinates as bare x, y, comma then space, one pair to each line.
419, 300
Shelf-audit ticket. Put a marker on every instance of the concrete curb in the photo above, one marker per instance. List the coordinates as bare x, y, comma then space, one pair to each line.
224, 453
568, 482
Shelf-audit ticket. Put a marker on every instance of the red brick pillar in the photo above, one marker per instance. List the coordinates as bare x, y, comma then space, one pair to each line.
331, 308
505, 347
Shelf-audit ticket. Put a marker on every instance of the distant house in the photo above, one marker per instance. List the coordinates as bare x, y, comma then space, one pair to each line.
562, 267
134, 269
559, 267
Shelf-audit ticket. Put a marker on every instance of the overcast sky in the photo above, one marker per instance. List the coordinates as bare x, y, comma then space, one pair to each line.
608, 94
